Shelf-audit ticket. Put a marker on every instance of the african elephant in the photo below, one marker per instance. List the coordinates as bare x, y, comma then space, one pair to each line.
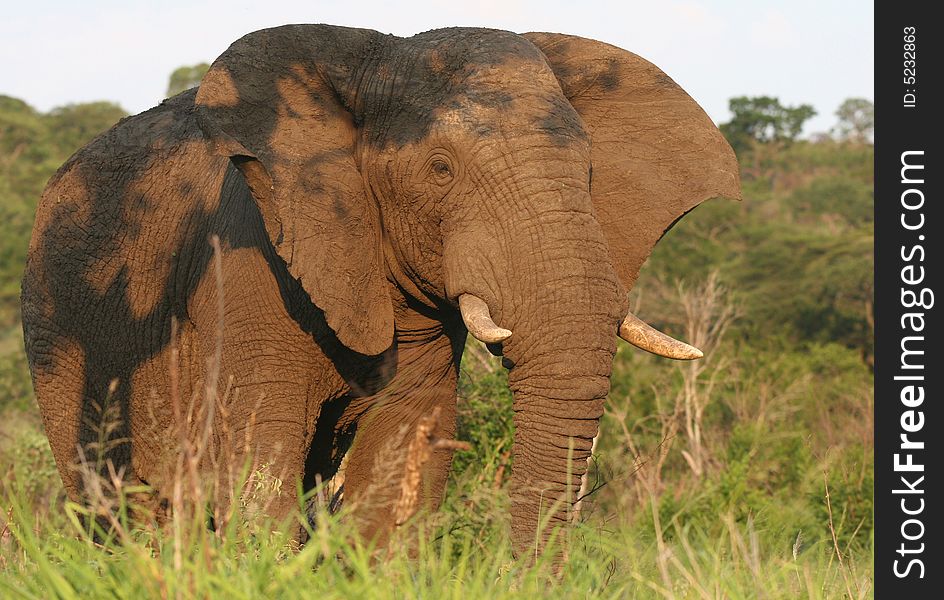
376, 198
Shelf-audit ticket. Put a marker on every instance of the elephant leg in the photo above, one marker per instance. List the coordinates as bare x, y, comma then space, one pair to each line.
381, 457
271, 384
75, 406
378, 488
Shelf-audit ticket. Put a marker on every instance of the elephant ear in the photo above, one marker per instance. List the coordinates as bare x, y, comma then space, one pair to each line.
655, 154
274, 102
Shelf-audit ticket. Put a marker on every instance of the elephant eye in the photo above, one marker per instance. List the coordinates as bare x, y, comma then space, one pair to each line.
441, 170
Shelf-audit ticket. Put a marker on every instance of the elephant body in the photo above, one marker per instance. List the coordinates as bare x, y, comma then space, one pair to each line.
360, 185
292, 377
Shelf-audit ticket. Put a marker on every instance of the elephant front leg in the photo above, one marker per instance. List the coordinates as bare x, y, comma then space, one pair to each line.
394, 467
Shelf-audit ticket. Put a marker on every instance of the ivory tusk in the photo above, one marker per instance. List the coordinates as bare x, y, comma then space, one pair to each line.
642, 335
479, 322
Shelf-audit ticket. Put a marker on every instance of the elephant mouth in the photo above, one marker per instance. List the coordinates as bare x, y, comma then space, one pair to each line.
478, 320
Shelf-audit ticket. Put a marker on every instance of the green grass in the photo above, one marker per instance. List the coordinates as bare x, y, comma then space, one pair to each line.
459, 552
754, 525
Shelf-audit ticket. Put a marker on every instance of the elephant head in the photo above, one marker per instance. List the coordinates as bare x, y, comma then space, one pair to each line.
518, 180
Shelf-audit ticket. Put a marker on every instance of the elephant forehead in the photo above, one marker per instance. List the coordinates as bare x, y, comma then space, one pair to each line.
513, 96
458, 119
480, 46
467, 81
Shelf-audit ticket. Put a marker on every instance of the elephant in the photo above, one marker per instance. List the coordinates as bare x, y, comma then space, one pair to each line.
376, 199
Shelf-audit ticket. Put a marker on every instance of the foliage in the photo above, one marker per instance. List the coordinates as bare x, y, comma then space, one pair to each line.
484, 416
763, 119
797, 252
76, 124
856, 120
15, 387
184, 78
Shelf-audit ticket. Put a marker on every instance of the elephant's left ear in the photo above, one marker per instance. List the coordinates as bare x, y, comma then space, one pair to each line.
272, 102
655, 153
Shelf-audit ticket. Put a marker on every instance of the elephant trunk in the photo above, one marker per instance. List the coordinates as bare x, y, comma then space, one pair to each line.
561, 351
539, 280
556, 418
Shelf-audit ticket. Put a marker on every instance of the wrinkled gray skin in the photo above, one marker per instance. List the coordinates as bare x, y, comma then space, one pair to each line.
359, 184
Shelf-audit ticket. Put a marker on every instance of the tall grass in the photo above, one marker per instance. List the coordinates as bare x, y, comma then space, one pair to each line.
656, 549
461, 552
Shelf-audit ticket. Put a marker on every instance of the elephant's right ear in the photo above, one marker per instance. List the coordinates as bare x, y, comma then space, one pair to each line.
273, 102
655, 153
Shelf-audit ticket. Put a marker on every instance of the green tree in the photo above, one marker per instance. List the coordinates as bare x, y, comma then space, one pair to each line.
763, 119
856, 120
184, 78
76, 124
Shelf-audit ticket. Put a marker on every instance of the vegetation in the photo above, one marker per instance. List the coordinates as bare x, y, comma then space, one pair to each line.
856, 120
747, 474
184, 78
762, 119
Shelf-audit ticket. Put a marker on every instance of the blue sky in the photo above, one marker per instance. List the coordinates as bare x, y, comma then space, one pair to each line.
802, 51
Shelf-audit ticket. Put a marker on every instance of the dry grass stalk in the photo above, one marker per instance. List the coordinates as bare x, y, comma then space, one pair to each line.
499, 478
708, 314
586, 489
832, 530
647, 465
421, 447
662, 551
6, 537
